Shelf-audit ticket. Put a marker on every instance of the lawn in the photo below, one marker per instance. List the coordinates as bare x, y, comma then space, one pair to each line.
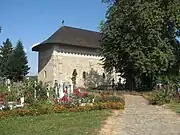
82, 123
175, 107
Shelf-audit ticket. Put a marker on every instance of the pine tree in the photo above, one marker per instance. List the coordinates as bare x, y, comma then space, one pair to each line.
17, 64
5, 52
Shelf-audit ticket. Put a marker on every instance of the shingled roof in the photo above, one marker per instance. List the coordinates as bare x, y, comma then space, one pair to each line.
73, 36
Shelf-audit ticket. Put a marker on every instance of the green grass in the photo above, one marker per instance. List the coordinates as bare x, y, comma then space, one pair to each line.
175, 107
82, 123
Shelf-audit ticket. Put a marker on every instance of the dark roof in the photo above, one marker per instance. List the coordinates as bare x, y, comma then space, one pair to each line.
73, 36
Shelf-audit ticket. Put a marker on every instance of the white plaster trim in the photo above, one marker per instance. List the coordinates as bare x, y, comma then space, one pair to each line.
77, 55
35, 44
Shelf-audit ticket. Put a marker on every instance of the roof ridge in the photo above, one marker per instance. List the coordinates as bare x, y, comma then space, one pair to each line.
79, 28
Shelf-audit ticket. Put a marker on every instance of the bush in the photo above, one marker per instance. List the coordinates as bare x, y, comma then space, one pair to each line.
109, 97
158, 97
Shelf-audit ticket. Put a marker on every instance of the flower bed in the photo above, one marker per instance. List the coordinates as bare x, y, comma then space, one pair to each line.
76, 102
60, 109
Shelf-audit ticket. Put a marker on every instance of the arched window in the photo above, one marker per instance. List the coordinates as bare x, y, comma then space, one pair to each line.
45, 74
104, 76
84, 75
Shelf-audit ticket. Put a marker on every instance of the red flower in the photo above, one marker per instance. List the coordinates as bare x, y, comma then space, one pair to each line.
76, 91
64, 98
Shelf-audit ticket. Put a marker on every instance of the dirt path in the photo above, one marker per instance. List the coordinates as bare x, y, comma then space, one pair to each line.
139, 118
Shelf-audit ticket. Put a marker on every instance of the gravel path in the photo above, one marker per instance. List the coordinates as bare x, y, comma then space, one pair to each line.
139, 118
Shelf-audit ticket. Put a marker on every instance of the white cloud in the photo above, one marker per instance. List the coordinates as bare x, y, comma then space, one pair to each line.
25, 50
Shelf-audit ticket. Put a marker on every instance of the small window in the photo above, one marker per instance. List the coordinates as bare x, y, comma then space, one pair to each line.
104, 76
84, 75
45, 74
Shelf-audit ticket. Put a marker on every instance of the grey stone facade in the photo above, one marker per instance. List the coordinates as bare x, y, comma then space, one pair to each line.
58, 62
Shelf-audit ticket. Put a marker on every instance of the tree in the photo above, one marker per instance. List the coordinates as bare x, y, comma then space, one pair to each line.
94, 79
5, 52
139, 40
17, 66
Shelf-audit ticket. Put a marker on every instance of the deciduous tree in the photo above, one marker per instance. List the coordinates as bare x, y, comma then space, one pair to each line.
139, 40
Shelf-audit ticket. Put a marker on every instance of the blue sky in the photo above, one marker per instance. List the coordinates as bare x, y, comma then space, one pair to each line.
33, 21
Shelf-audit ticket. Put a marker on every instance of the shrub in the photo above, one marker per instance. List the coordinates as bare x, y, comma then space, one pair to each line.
158, 97
108, 98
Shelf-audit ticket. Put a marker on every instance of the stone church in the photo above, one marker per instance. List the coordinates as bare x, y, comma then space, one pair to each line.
66, 50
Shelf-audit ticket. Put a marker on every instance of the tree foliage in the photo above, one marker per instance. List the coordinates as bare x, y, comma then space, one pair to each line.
5, 52
139, 40
94, 79
17, 66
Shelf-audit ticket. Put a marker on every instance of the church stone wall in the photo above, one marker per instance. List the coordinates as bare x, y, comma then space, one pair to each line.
69, 58
45, 65
57, 63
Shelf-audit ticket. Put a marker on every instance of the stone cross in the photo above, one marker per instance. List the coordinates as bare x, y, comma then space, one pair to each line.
56, 87
68, 92
35, 85
22, 101
9, 84
71, 87
61, 93
47, 91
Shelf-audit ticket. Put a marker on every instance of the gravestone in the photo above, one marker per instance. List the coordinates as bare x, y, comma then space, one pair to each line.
71, 87
22, 101
9, 84
56, 87
35, 85
61, 93
47, 90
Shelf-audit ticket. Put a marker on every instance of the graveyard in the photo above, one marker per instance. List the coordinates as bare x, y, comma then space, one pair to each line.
36, 106
32, 98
